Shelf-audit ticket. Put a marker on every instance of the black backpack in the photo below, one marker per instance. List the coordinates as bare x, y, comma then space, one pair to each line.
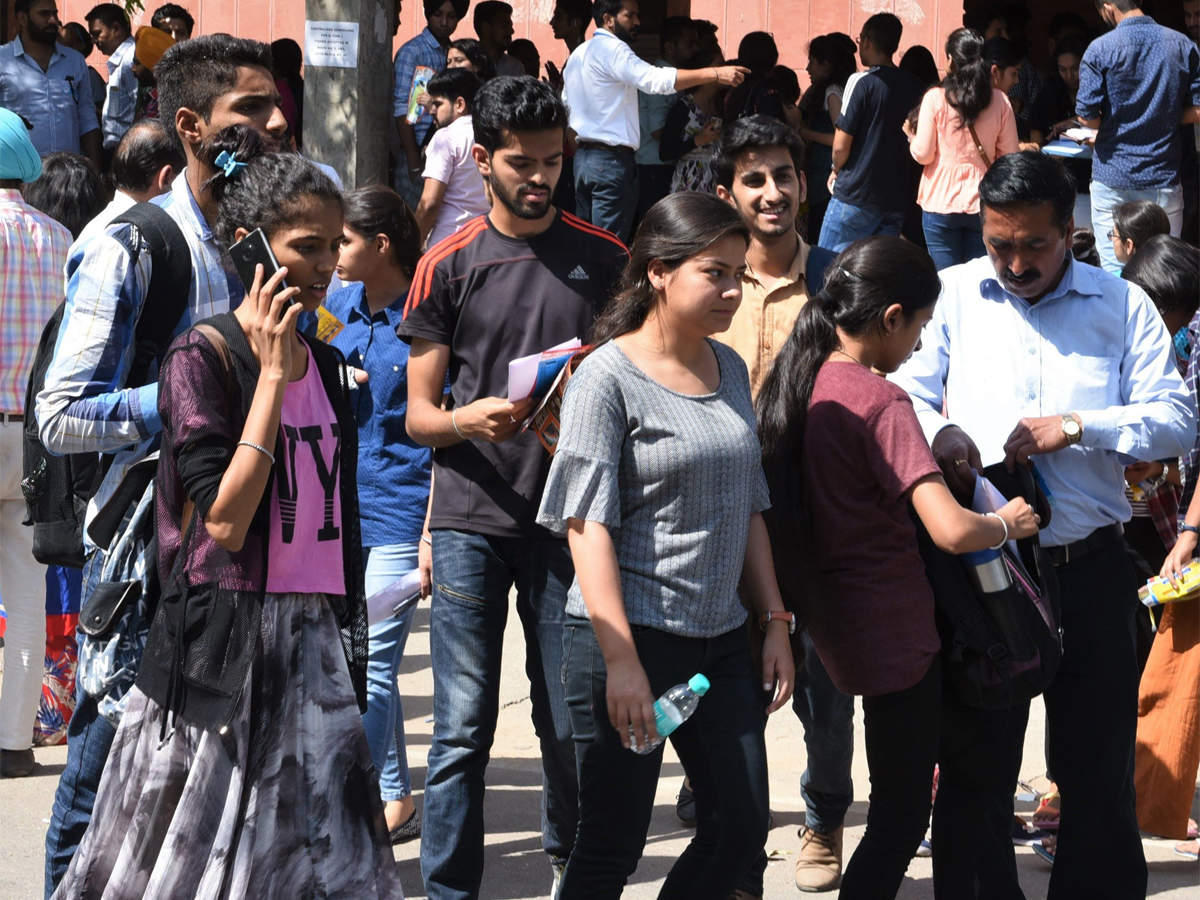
57, 488
1003, 648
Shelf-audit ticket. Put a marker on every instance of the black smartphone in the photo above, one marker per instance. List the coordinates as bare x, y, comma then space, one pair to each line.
250, 251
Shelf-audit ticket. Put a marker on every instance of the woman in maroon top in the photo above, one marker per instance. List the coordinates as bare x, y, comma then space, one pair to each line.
846, 459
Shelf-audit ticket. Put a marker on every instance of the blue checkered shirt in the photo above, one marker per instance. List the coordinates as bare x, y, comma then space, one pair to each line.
423, 50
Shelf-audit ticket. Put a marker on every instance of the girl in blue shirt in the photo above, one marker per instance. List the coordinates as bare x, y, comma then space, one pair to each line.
379, 251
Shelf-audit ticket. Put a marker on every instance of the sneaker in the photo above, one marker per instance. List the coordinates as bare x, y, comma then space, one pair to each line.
16, 763
819, 865
925, 850
1188, 849
407, 830
685, 805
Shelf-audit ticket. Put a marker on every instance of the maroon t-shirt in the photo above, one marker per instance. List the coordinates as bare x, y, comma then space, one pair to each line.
871, 615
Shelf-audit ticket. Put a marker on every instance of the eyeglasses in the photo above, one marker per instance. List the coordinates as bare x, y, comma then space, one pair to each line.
1113, 236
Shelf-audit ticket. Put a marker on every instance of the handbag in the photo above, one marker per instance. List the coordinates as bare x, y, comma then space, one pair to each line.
999, 648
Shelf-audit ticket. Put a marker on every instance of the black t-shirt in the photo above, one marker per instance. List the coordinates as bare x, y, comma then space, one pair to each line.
491, 299
876, 174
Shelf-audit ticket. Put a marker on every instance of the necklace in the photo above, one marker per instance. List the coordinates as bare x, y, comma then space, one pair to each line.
852, 358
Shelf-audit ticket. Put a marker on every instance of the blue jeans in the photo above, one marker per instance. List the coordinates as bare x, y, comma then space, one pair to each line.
844, 224
1106, 199
89, 737
721, 746
472, 575
606, 187
952, 238
384, 719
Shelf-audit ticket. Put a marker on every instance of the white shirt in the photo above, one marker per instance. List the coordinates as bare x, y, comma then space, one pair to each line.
600, 87
1094, 345
448, 159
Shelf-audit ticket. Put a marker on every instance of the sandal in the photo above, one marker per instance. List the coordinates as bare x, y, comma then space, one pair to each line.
1048, 812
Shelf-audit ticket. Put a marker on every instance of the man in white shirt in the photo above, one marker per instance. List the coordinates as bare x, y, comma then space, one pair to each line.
109, 27
601, 82
453, 192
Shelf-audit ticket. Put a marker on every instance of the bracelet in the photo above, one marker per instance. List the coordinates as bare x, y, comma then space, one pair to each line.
427, 539
1192, 528
260, 448
1004, 525
453, 422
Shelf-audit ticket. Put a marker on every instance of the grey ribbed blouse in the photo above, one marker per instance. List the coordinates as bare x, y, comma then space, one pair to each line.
675, 478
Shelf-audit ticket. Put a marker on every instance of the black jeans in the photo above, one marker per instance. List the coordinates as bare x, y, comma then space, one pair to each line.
902, 742
1091, 716
721, 746
979, 761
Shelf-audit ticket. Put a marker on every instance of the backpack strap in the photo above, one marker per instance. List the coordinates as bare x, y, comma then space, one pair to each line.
170, 282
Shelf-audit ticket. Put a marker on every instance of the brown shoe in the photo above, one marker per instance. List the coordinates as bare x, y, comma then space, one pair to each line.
819, 866
16, 763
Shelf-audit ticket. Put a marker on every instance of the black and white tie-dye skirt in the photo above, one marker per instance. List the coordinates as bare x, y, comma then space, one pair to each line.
284, 804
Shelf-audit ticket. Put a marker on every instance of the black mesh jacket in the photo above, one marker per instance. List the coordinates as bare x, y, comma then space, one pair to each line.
205, 633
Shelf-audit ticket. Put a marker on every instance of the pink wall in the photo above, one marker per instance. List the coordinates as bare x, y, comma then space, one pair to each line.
792, 22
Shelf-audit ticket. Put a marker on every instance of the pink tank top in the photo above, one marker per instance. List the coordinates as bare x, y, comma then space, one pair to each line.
306, 506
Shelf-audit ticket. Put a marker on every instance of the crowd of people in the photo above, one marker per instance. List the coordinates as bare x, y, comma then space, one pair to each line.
812, 320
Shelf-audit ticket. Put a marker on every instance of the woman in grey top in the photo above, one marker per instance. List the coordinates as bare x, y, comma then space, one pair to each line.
658, 484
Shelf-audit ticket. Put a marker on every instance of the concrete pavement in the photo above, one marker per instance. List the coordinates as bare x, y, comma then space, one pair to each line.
516, 867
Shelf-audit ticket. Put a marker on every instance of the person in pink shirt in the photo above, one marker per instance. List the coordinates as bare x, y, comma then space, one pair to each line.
963, 127
453, 194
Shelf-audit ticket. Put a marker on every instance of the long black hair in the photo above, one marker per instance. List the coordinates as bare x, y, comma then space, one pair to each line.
376, 209
968, 84
69, 190
266, 191
1167, 269
860, 284
673, 230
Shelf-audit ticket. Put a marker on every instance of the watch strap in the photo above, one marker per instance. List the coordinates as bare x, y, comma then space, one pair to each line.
770, 615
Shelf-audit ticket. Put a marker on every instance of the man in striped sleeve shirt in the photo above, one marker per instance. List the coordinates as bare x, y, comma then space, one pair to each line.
205, 84
512, 283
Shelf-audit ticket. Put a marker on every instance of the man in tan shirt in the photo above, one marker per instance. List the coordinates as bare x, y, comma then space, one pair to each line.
759, 173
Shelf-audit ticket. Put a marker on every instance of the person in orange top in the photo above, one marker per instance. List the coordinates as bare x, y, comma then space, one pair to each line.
963, 127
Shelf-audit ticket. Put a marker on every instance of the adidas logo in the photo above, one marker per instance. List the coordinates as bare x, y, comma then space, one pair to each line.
578, 274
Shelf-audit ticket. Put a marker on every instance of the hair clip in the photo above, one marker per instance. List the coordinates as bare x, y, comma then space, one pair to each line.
229, 164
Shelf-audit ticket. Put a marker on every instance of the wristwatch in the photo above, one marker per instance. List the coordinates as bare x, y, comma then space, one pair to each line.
1192, 528
1071, 428
766, 618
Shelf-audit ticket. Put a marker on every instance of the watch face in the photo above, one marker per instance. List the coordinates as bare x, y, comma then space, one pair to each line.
1070, 427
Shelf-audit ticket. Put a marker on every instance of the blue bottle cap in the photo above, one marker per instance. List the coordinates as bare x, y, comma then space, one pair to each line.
699, 684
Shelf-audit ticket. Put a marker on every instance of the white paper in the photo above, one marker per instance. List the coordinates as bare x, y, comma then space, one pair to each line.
523, 372
395, 598
1080, 134
987, 499
331, 44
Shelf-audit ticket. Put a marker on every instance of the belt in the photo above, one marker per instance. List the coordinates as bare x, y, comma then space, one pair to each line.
1100, 539
600, 145
13, 417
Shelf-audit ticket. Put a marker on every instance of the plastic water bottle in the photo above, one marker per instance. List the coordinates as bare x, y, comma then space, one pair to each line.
672, 709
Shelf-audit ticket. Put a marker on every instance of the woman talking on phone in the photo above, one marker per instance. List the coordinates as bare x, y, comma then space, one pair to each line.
240, 767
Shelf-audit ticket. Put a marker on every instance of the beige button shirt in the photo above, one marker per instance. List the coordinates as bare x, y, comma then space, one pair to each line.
765, 318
